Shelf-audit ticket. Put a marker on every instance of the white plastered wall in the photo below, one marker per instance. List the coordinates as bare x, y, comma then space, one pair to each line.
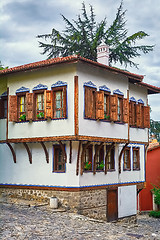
39, 173
100, 77
127, 201
47, 77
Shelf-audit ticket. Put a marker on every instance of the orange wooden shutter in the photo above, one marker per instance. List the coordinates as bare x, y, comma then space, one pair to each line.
146, 116
13, 108
130, 114
125, 110
29, 106
114, 108
88, 112
48, 105
64, 102
138, 115
100, 105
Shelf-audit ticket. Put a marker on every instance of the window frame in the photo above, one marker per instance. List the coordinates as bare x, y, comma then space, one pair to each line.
56, 151
119, 107
127, 163
137, 150
4, 107
19, 114
108, 107
88, 155
35, 110
110, 159
98, 157
63, 108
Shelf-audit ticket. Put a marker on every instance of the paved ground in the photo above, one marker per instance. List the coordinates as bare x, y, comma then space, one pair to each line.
34, 223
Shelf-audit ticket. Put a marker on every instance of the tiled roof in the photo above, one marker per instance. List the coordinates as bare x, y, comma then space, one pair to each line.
134, 78
73, 58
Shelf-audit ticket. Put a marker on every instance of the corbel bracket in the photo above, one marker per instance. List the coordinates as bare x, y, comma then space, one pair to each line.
45, 151
12, 151
28, 151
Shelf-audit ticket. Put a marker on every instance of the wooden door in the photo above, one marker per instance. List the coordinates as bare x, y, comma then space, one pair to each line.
112, 204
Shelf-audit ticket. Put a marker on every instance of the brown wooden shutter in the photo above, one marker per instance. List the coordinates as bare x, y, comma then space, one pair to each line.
48, 104
13, 108
29, 106
114, 107
138, 115
1, 109
64, 102
130, 114
125, 110
146, 116
88, 102
100, 105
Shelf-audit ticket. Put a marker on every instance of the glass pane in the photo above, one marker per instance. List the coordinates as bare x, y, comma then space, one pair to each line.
58, 95
58, 114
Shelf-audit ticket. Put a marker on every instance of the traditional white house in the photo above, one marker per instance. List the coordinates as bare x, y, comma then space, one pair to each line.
77, 130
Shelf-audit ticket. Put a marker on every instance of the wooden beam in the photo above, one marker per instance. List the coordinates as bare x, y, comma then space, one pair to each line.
95, 157
28, 151
78, 156
63, 151
45, 151
76, 125
7, 113
12, 151
120, 156
70, 154
108, 151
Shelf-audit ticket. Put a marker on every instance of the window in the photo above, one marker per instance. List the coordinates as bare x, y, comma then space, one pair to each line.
59, 102
39, 98
88, 158
106, 106
90, 102
59, 161
119, 109
21, 107
126, 159
100, 158
110, 159
136, 162
3, 105
132, 113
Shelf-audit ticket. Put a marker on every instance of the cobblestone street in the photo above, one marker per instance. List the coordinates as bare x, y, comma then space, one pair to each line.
41, 222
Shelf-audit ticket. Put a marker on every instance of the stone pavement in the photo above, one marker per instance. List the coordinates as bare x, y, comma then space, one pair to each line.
23, 222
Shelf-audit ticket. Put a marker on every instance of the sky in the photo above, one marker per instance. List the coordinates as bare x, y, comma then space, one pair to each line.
22, 20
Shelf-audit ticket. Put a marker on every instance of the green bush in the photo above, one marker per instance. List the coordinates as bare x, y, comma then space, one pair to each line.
155, 214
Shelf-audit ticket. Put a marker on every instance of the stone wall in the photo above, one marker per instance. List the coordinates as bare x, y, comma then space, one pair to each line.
91, 203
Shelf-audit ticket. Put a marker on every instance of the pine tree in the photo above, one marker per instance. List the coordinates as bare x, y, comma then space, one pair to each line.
83, 35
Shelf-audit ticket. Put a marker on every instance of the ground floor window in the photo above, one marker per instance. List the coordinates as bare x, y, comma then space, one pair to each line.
126, 159
59, 161
136, 162
99, 158
110, 158
87, 158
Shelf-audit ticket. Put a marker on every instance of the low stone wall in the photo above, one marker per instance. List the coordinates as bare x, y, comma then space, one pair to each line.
91, 203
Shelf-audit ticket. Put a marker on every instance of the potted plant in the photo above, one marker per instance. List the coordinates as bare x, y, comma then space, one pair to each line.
101, 166
22, 118
40, 115
88, 166
107, 117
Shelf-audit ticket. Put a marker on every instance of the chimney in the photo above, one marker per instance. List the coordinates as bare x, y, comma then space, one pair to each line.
103, 54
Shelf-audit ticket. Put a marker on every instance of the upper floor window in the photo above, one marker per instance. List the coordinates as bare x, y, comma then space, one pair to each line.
127, 159
3, 105
39, 97
136, 159
21, 107
120, 109
59, 100
132, 111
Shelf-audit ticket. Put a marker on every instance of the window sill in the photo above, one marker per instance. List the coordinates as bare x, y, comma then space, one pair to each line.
111, 170
58, 172
127, 169
136, 169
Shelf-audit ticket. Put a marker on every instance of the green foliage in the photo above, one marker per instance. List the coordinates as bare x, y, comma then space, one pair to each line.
83, 35
156, 191
88, 166
155, 214
22, 118
155, 129
1, 67
40, 115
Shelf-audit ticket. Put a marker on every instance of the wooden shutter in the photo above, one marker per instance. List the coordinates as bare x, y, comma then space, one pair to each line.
100, 105
125, 110
138, 115
88, 102
64, 102
48, 104
29, 106
114, 107
130, 114
146, 116
13, 108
